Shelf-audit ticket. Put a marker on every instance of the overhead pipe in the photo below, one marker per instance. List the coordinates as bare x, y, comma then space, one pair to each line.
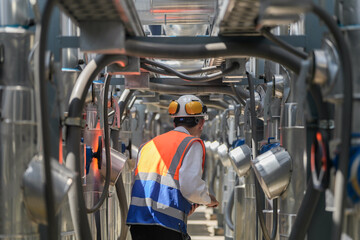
169, 89
212, 47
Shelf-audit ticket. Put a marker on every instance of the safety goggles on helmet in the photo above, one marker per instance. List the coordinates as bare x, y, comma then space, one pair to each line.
191, 108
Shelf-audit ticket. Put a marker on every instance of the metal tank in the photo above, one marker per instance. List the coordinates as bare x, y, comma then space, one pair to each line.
17, 120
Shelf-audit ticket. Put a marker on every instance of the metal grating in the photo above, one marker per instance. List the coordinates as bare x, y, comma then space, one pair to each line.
239, 17
91, 10
104, 11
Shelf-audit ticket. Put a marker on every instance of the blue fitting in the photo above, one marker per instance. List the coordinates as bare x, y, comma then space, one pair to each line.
89, 157
269, 146
123, 147
353, 185
238, 142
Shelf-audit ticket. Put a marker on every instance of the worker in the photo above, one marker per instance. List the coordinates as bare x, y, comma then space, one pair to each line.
167, 185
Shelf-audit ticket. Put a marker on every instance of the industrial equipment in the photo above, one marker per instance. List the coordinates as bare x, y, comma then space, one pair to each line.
83, 84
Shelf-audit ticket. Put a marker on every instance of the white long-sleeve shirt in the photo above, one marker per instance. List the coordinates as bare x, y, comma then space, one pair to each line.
192, 187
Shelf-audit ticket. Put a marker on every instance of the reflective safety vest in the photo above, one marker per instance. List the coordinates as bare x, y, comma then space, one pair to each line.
156, 198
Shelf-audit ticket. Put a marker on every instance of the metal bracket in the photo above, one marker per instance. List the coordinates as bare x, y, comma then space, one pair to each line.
75, 122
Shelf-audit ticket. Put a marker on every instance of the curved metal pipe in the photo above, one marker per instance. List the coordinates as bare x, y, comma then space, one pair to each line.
250, 46
77, 100
169, 89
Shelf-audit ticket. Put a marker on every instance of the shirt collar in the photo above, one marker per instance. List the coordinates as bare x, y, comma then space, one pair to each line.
181, 129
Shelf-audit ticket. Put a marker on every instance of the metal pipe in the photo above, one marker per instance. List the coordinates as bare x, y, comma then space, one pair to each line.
41, 109
13, 13
169, 89
77, 100
305, 213
206, 78
211, 48
346, 122
120, 192
283, 44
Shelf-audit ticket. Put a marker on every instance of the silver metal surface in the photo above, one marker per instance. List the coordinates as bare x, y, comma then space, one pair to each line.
67, 227
223, 155
239, 209
104, 11
213, 150
69, 57
293, 139
240, 158
118, 161
250, 207
102, 37
105, 222
34, 194
285, 224
273, 170
238, 17
17, 45
14, 13
17, 147
321, 67
176, 12
137, 82
228, 186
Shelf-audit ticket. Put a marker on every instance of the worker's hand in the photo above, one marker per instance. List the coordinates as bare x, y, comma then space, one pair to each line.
193, 207
214, 202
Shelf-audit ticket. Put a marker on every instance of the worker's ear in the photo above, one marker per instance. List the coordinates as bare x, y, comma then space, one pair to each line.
201, 123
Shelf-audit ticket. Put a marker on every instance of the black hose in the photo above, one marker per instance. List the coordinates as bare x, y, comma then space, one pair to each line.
188, 72
73, 135
42, 30
240, 94
283, 44
346, 121
212, 48
164, 72
305, 213
207, 78
120, 192
259, 208
171, 89
105, 191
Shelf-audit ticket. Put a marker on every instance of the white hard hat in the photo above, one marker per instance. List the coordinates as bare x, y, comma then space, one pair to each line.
187, 106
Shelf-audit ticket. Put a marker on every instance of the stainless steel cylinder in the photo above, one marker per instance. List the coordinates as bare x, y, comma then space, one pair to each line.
250, 207
273, 171
239, 209
17, 147
17, 123
14, 12
15, 67
293, 139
